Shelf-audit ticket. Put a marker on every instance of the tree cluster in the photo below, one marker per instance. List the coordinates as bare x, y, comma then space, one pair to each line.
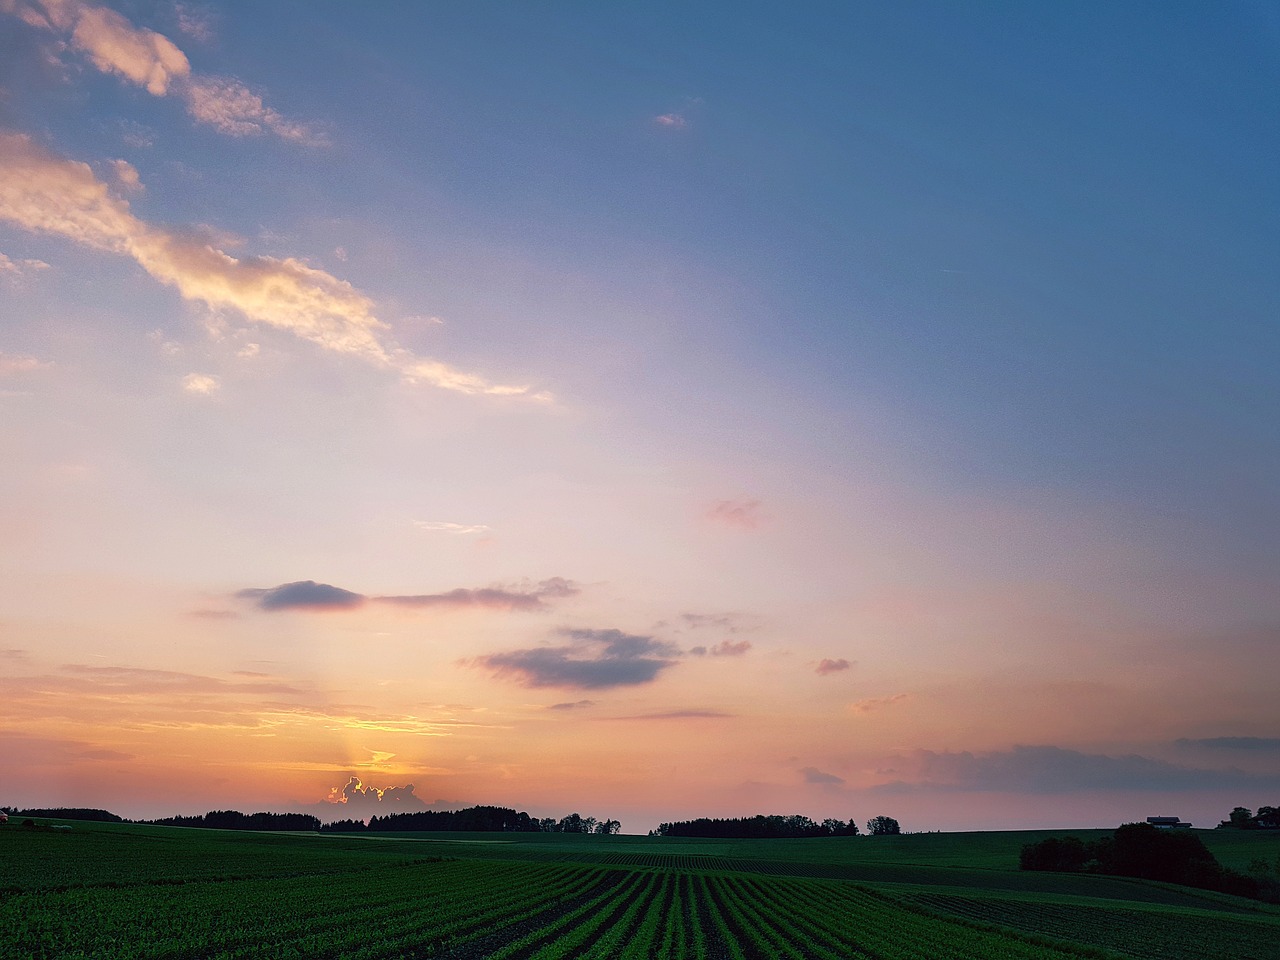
67, 813
758, 827
1242, 818
883, 827
481, 819
235, 820
1147, 852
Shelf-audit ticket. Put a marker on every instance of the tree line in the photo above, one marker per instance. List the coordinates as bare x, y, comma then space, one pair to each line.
772, 827
1149, 853
235, 820
1242, 818
481, 819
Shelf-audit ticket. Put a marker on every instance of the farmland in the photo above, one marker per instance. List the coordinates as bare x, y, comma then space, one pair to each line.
119, 890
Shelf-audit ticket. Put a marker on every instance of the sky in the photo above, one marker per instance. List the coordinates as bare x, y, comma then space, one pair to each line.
652, 411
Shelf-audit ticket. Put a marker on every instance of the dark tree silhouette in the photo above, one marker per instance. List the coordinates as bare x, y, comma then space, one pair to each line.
883, 826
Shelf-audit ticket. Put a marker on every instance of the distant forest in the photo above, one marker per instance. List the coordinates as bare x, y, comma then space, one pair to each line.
483, 819
762, 827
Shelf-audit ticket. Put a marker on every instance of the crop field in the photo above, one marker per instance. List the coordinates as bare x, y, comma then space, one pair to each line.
116, 890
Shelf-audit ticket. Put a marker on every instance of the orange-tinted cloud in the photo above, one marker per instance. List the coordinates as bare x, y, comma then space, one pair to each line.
152, 61
45, 193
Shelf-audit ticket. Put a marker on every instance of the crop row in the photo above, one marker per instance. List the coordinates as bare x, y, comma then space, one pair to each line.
1152, 934
466, 910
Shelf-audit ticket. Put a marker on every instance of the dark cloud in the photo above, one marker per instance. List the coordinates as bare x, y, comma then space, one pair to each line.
309, 595
725, 648
303, 595
730, 648
592, 660
832, 666
355, 801
574, 705
1233, 743
494, 598
814, 775
1047, 769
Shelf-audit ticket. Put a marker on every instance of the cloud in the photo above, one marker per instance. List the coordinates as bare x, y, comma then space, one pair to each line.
592, 660
230, 107
493, 598
825, 667
13, 653
20, 363
725, 648
876, 703
201, 383
303, 595
728, 622
574, 705
127, 176
44, 193
309, 595
1233, 743
150, 60
16, 269
674, 121
355, 801
443, 526
1049, 769
736, 513
814, 775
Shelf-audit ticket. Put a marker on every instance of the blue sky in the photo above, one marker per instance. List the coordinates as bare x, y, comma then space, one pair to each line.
933, 339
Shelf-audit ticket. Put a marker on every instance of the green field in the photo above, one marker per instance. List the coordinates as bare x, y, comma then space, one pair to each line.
118, 890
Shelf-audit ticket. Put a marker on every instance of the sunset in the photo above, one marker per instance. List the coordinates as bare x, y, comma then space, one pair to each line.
646, 411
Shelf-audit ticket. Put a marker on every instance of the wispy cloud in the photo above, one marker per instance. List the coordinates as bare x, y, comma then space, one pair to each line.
826, 666
814, 775
15, 269
310, 595
591, 660
11, 363
150, 60
741, 513
44, 193
493, 598
877, 703
725, 648
444, 526
674, 121
572, 705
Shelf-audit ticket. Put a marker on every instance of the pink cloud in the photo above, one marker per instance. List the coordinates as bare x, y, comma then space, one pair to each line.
832, 666
674, 121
